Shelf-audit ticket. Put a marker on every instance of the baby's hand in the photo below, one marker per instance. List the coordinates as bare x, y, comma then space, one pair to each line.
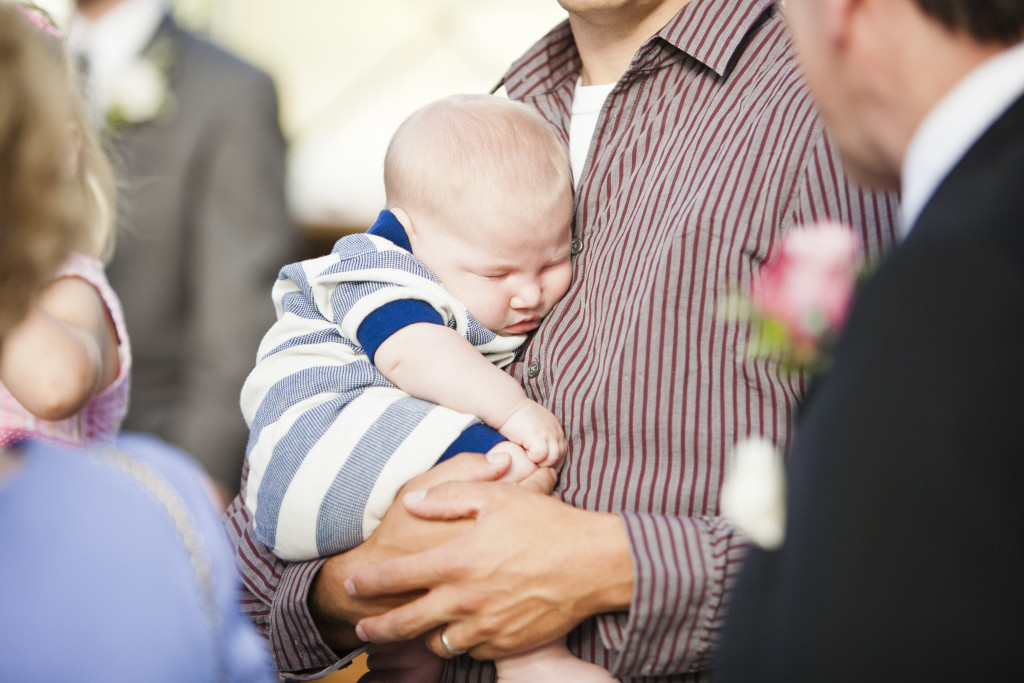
521, 466
538, 431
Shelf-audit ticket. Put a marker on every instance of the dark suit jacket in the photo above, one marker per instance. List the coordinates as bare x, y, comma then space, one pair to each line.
204, 229
904, 555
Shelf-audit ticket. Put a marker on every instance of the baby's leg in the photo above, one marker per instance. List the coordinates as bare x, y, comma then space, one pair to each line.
409, 662
551, 663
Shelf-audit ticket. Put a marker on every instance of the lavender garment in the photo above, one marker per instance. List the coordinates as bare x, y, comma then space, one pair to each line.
101, 419
707, 150
98, 582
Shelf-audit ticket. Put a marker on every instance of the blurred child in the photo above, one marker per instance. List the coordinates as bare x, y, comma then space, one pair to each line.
115, 563
64, 370
387, 354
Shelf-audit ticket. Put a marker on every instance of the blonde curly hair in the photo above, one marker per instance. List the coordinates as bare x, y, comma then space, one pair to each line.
93, 175
39, 208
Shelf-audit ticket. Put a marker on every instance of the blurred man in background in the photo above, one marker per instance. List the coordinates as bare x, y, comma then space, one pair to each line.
204, 222
905, 535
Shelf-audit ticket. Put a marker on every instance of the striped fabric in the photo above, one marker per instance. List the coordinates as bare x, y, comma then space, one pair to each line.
707, 150
331, 439
101, 418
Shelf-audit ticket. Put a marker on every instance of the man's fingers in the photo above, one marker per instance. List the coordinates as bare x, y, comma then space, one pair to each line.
446, 642
400, 575
543, 480
406, 622
464, 467
455, 500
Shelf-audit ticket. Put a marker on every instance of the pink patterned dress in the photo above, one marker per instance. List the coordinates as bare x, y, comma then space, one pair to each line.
101, 419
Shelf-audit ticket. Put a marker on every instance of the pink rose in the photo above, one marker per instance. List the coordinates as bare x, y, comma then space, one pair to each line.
804, 290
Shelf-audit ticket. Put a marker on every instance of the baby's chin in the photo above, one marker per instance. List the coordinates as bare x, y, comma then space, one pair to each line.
522, 327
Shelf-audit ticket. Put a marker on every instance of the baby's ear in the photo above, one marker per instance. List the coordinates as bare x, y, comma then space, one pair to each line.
403, 217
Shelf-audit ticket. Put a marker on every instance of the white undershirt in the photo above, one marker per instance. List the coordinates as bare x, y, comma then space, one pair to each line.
587, 102
953, 126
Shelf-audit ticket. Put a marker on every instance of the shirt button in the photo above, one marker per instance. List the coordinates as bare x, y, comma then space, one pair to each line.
577, 245
533, 369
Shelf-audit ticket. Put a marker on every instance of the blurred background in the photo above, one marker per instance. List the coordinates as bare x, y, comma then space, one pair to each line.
349, 71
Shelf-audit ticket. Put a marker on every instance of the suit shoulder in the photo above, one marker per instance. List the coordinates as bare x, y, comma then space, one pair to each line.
197, 55
980, 200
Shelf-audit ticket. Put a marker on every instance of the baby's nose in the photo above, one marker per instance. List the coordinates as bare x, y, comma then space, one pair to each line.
527, 295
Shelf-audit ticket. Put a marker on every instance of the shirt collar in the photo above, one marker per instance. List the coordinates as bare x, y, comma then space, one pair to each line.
953, 125
710, 31
714, 31
388, 227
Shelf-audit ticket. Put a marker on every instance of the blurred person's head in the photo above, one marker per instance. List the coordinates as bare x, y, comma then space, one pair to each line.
985, 21
482, 185
88, 165
95, 8
877, 67
38, 205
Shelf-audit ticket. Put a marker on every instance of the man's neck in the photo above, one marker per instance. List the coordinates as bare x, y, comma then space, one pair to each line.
607, 39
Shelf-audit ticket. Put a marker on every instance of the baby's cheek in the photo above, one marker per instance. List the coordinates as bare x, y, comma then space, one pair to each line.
562, 284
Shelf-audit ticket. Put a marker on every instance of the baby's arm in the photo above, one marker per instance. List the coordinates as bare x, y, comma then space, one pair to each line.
436, 364
62, 353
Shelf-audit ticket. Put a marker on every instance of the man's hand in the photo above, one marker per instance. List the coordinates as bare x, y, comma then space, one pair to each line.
538, 431
399, 534
522, 468
528, 570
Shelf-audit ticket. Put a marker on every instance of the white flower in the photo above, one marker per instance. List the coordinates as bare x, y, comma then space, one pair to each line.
138, 93
754, 493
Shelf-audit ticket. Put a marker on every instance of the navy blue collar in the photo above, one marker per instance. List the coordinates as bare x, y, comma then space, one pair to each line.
388, 227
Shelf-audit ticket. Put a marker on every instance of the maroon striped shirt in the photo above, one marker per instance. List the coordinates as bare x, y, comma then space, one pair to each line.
706, 150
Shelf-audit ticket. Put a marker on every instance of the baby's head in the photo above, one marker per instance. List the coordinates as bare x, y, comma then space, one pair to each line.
483, 189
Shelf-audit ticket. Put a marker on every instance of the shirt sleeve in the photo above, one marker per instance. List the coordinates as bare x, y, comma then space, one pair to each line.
391, 317
477, 438
685, 567
374, 289
274, 596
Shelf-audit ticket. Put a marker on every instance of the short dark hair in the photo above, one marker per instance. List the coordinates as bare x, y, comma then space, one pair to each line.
987, 21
